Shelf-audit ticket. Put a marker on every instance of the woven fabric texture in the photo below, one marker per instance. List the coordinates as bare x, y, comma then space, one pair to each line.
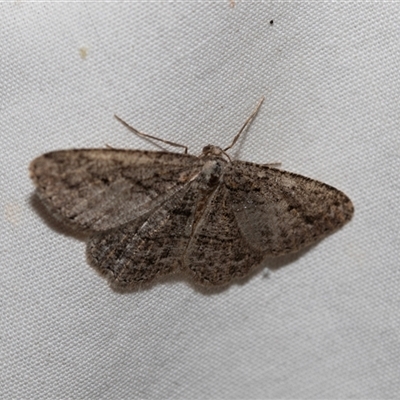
321, 324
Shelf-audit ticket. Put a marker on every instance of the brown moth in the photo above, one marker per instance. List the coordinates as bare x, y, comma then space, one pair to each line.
150, 213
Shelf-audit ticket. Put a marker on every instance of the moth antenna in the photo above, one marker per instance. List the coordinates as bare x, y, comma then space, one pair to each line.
246, 124
145, 135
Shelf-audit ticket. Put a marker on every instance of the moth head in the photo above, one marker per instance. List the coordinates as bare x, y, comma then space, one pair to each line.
214, 151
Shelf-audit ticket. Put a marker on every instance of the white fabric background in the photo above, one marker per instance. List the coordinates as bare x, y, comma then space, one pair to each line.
323, 324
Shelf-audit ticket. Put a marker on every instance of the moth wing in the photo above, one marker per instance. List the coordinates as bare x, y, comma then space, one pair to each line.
152, 245
280, 212
259, 211
218, 252
100, 189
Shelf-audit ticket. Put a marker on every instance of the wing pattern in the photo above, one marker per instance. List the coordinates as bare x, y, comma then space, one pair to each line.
152, 213
99, 189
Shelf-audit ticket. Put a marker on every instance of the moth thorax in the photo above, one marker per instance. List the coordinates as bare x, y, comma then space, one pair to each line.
212, 172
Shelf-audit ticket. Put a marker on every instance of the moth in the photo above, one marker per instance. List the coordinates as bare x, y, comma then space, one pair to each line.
151, 213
